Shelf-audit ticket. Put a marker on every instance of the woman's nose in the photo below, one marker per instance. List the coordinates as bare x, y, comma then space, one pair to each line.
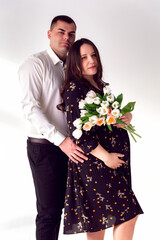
91, 59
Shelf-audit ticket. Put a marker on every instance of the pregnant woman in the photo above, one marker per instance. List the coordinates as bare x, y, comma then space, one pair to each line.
99, 194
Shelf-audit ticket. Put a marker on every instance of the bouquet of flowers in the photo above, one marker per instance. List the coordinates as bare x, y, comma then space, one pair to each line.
102, 110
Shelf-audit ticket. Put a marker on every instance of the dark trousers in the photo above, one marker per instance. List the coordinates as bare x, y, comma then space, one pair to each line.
49, 170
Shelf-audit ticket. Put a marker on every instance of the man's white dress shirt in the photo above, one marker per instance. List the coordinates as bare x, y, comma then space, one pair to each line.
41, 78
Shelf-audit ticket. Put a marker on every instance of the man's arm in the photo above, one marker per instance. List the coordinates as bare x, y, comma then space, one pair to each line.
31, 78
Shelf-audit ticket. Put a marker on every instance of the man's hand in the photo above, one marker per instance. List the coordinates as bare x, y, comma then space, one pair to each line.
126, 118
74, 152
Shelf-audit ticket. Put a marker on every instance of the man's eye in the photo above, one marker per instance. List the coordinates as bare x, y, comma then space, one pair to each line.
71, 34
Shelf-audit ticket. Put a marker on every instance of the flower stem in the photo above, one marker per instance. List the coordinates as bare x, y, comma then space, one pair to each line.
132, 132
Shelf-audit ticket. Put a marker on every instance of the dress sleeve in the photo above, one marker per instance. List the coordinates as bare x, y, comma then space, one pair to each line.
74, 92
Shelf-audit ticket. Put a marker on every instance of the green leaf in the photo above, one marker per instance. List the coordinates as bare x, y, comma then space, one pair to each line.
105, 97
88, 115
120, 121
109, 127
84, 118
98, 95
90, 110
128, 108
119, 98
95, 113
91, 105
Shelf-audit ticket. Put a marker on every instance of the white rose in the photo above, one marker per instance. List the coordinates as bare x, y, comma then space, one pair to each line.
102, 110
93, 120
91, 94
98, 110
105, 104
77, 133
107, 90
110, 98
96, 100
116, 113
83, 112
82, 103
115, 104
89, 100
77, 123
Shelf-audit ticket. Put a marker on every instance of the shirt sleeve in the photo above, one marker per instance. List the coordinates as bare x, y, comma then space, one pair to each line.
31, 79
72, 95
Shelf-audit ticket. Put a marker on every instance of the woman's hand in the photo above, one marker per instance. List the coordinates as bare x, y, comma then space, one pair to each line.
126, 118
113, 161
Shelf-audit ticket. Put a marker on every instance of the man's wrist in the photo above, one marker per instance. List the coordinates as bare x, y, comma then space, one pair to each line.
58, 138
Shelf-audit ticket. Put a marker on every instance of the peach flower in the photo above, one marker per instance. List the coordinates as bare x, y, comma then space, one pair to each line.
87, 126
110, 120
101, 121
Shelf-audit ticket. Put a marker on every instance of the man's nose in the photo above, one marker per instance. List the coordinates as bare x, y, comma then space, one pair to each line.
66, 36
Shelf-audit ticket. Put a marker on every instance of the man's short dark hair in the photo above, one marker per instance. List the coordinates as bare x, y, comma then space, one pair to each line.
63, 18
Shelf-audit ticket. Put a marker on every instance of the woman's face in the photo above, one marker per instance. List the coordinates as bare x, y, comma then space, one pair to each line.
88, 61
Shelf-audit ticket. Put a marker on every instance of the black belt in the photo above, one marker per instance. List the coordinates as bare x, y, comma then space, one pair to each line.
39, 140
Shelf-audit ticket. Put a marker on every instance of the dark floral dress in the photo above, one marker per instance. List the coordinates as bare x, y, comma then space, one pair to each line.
97, 197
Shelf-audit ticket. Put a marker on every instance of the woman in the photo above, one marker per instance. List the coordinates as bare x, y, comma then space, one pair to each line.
98, 193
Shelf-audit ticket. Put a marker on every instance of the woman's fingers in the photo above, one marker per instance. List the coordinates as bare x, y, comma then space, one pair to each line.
115, 160
120, 155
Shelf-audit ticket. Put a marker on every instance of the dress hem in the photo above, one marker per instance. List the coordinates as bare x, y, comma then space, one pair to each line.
97, 230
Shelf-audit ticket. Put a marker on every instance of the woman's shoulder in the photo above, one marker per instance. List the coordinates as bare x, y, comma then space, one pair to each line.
75, 85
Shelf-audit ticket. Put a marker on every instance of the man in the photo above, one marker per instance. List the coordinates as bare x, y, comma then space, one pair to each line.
41, 78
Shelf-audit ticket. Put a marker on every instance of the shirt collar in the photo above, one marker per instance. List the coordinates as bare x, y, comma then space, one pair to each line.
53, 56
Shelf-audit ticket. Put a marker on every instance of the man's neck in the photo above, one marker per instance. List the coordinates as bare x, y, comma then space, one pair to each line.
61, 56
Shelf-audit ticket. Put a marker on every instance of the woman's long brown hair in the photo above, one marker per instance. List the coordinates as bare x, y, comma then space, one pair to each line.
74, 68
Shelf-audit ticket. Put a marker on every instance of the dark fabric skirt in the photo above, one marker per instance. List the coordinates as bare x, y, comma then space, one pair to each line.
98, 197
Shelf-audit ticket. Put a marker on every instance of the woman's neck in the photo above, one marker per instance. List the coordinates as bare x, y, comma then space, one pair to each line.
93, 83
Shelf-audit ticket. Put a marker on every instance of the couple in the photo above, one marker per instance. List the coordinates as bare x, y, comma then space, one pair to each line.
98, 192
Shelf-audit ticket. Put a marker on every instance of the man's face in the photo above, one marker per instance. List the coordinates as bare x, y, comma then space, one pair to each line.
62, 36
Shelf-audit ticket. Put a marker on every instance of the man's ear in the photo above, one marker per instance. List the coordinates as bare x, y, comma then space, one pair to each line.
49, 34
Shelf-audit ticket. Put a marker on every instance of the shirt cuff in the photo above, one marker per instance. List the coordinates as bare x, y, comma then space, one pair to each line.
57, 138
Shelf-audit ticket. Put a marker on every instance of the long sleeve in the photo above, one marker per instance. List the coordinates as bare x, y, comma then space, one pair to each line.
73, 94
35, 100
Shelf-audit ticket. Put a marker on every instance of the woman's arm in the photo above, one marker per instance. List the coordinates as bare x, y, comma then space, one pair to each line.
89, 141
111, 160
74, 92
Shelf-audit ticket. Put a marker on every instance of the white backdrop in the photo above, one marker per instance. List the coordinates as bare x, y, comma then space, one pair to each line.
127, 34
